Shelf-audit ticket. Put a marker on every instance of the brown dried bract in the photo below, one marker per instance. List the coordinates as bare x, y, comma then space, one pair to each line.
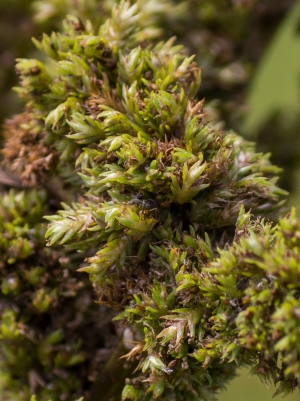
24, 152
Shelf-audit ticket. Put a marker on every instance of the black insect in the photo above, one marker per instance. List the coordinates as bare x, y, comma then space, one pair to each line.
148, 204
242, 284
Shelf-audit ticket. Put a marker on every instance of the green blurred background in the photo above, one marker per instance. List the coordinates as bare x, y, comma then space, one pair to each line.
249, 388
253, 86
273, 120
273, 101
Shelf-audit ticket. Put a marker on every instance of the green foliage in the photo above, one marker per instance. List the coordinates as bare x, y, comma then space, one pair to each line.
209, 28
43, 345
164, 215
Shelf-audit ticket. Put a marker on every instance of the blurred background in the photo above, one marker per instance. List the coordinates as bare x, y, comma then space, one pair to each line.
249, 52
249, 388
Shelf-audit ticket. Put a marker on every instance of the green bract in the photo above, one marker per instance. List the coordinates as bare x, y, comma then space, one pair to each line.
164, 209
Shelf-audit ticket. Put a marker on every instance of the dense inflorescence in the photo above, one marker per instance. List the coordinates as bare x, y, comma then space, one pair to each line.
165, 209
